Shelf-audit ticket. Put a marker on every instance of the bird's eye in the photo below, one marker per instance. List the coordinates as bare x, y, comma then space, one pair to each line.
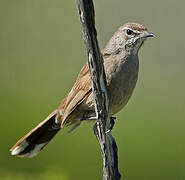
129, 32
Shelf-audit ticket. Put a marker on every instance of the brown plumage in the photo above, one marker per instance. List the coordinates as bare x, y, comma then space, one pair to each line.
121, 67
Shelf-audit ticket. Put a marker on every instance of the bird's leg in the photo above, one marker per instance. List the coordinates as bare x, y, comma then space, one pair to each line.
95, 118
89, 117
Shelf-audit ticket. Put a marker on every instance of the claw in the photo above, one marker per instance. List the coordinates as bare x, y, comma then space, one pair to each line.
112, 122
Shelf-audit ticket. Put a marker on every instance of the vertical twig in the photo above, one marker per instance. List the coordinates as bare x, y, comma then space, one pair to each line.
95, 61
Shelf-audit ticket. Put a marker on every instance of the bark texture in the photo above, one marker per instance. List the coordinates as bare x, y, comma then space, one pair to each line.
104, 125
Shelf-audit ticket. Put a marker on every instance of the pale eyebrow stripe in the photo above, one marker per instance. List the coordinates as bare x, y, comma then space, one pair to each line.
135, 31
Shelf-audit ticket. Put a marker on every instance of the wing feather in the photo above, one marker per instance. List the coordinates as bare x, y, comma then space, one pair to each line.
80, 91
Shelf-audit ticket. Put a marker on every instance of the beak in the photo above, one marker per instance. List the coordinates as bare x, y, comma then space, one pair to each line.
147, 34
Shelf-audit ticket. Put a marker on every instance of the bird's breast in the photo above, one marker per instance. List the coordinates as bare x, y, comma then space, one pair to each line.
122, 75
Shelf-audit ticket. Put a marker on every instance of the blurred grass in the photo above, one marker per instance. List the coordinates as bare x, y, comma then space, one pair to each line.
40, 42
54, 175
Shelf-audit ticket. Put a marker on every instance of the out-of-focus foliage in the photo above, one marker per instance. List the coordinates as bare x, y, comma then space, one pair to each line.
41, 53
47, 175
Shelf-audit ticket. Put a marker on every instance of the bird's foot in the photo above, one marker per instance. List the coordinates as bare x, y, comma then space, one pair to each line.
112, 122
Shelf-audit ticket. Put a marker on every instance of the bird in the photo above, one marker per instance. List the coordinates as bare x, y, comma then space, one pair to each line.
121, 64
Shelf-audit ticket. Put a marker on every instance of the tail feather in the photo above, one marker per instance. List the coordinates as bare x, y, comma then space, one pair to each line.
33, 142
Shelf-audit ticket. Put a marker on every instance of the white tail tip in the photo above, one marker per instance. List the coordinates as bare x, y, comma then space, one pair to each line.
20, 148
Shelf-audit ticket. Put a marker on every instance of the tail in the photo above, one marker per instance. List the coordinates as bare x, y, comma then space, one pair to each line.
33, 142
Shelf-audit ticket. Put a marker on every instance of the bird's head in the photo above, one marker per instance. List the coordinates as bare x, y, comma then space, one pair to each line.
130, 37
134, 35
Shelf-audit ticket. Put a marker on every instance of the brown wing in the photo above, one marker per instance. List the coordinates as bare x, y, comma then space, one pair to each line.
80, 91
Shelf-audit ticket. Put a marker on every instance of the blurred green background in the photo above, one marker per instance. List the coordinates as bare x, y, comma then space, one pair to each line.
41, 53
